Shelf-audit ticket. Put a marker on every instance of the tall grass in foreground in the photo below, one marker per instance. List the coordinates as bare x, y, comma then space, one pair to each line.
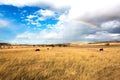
61, 64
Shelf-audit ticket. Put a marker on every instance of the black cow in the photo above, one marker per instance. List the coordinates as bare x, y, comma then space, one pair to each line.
37, 50
101, 49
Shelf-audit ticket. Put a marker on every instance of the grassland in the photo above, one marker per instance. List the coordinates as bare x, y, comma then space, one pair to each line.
60, 63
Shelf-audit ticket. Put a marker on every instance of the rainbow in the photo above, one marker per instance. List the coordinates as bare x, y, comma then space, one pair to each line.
86, 23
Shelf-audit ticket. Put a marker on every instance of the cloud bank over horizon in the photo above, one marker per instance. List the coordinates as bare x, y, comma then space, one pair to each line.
49, 21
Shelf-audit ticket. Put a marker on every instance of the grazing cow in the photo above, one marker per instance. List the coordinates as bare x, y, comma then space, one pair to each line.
37, 50
101, 49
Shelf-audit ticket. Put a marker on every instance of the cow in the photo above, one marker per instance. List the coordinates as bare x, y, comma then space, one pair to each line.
101, 49
37, 50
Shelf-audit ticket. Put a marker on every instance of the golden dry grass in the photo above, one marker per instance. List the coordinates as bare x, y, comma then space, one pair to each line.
60, 63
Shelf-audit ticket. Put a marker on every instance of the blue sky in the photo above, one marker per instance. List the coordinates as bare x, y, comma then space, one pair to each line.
48, 22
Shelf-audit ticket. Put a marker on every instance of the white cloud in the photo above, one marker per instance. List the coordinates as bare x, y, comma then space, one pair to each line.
30, 20
18, 3
103, 36
41, 18
63, 17
91, 8
4, 23
25, 35
21, 3
40, 15
110, 25
31, 16
46, 13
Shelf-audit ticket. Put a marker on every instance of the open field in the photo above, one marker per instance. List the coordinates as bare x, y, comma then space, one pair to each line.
60, 63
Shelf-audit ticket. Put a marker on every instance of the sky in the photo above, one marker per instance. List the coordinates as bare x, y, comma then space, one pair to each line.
59, 21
